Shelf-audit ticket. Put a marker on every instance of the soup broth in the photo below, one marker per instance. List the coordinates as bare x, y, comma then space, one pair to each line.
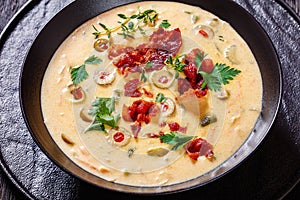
145, 95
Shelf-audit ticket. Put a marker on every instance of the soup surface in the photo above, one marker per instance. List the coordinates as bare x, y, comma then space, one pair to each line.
147, 95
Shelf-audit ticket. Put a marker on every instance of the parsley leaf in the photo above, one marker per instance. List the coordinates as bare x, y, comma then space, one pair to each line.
160, 97
93, 60
198, 60
143, 76
96, 126
176, 139
102, 109
78, 74
165, 24
226, 72
211, 80
221, 74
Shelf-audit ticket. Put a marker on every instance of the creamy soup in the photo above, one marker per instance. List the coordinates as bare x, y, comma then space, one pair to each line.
147, 95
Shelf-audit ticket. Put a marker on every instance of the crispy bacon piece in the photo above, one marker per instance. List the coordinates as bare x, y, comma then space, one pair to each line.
140, 111
125, 114
116, 50
131, 88
154, 110
190, 70
134, 59
199, 147
162, 44
135, 129
166, 40
183, 85
193, 79
174, 126
207, 65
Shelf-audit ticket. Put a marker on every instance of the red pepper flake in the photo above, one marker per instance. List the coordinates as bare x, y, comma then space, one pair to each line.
202, 32
174, 126
118, 137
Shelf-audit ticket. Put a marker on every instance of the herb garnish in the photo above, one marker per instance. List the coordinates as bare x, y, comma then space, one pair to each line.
175, 63
128, 26
160, 97
92, 60
165, 24
221, 74
79, 74
198, 60
176, 139
149, 64
102, 109
221, 38
143, 76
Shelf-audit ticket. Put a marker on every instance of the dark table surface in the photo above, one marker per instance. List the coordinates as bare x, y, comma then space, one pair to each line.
7, 189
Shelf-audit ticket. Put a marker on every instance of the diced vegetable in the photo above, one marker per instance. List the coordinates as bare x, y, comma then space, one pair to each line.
101, 44
208, 119
158, 151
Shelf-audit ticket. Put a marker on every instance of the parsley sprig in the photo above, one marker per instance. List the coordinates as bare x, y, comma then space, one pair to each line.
143, 75
176, 139
79, 74
102, 109
128, 26
165, 24
221, 74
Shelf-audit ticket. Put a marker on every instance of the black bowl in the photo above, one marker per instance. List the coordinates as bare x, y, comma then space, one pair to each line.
78, 12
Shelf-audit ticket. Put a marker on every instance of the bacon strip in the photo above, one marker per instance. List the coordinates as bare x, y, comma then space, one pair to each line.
162, 44
166, 40
199, 147
131, 88
135, 128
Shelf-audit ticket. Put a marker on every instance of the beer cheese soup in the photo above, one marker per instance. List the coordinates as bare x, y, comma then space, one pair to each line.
151, 93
